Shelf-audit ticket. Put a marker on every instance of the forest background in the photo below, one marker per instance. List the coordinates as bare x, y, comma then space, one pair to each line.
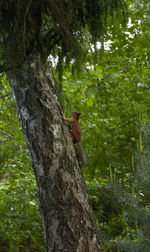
113, 94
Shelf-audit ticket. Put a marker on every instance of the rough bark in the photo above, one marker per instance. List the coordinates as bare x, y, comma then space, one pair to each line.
63, 199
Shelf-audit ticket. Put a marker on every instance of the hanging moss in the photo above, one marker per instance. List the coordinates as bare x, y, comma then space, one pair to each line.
31, 27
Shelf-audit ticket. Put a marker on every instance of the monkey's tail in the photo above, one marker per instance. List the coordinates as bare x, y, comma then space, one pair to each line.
82, 154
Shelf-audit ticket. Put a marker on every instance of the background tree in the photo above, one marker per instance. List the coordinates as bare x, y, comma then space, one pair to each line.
30, 32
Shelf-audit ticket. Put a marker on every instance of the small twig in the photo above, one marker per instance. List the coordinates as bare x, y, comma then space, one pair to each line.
8, 135
3, 96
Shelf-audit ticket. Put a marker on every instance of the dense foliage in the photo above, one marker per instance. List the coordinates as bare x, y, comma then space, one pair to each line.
20, 222
113, 96
53, 27
112, 92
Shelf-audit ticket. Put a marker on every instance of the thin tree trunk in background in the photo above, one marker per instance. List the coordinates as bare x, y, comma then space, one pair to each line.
63, 199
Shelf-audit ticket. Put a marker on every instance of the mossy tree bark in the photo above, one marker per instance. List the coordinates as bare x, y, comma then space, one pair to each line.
63, 199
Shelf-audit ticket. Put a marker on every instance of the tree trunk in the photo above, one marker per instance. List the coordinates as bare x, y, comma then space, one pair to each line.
63, 199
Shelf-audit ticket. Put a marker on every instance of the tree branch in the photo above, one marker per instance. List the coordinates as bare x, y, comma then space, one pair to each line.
8, 135
3, 96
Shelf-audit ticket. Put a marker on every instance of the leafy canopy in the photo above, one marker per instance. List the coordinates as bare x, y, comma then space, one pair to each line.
57, 27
